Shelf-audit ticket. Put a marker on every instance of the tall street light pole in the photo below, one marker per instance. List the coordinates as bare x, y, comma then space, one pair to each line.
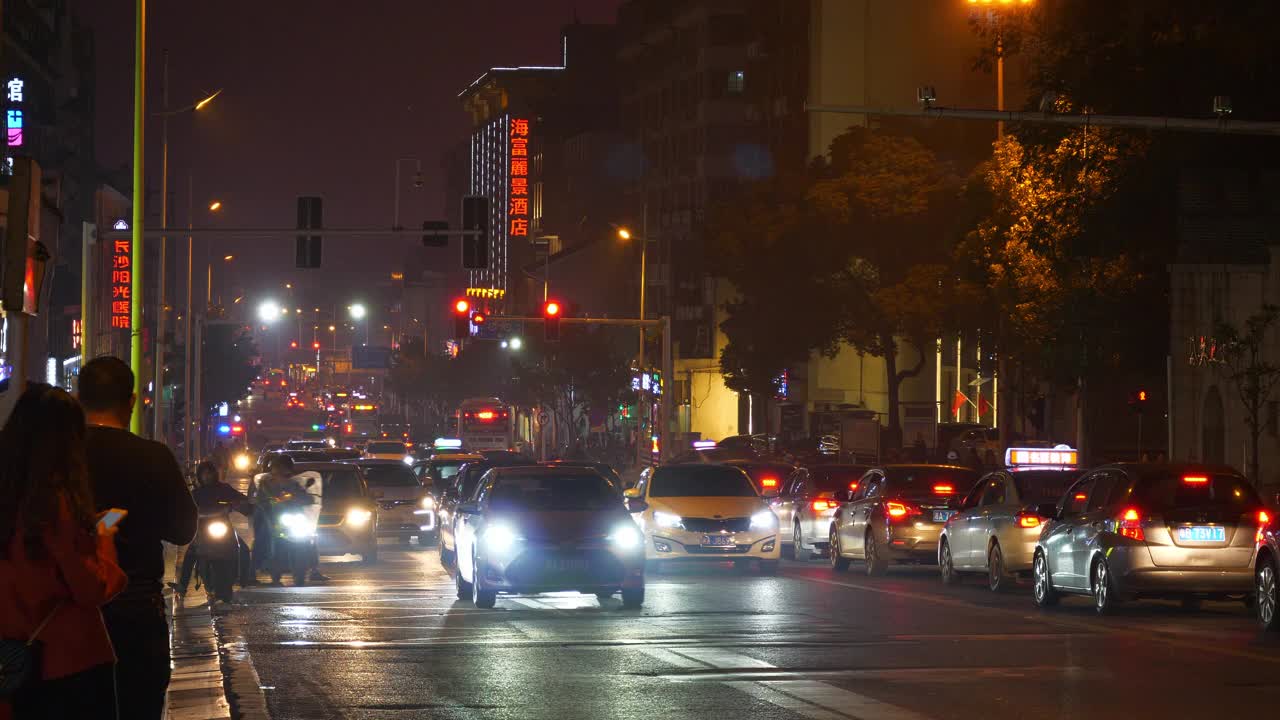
139, 216
625, 234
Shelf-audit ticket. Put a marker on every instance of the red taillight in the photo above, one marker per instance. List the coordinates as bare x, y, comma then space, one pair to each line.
1081, 496
1028, 520
899, 511
1264, 519
1195, 480
1130, 525
853, 486
944, 489
824, 505
485, 414
768, 483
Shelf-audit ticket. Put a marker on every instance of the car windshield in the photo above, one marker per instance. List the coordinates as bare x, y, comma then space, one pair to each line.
1039, 487
438, 471
1197, 490
925, 481
834, 478
542, 492
700, 481
391, 475
339, 487
385, 448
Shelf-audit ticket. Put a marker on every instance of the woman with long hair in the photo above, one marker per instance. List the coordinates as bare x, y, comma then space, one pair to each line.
57, 562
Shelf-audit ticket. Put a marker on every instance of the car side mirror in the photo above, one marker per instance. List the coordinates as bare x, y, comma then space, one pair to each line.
470, 508
1047, 510
631, 493
635, 505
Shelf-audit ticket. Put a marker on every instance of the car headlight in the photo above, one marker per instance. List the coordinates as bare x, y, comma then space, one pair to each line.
500, 538
668, 520
408, 459
764, 520
217, 529
242, 462
428, 503
358, 516
626, 538
297, 525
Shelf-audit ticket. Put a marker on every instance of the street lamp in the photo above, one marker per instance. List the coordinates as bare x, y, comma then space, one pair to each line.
993, 9
215, 206
269, 311
357, 311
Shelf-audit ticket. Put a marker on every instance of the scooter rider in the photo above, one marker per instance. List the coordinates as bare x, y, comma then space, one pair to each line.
279, 483
212, 494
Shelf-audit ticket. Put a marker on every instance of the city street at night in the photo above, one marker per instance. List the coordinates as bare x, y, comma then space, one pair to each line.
393, 642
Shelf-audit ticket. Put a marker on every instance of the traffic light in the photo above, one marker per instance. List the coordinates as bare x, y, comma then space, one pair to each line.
1138, 400
315, 345
475, 218
551, 310
431, 235
310, 217
293, 344
478, 318
461, 318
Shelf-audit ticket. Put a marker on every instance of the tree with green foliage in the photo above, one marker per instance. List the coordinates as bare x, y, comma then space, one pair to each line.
230, 363
1245, 363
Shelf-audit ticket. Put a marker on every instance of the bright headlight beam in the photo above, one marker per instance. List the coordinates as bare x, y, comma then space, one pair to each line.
765, 519
499, 538
668, 520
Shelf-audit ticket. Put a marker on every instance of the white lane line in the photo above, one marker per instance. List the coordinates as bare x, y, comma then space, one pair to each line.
810, 698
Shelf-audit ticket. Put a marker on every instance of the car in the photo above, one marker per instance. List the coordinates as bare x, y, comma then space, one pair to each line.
306, 445
605, 469
387, 450
1150, 530
696, 512
1266, 572
808, 503
896, 515
348, 522
405, 509
507, 457
769, 477
466, 482
548, 529
996, 527
437, 472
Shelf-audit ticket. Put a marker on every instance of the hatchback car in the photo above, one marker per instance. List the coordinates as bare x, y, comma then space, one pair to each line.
348, 521
548, 529
996, 528
808, 503
1131, 531
401, 500
896, 515
706, 513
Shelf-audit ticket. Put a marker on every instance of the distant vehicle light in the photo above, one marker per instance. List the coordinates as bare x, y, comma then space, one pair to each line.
704, 444
358, 516
1195, 480
447, 443
944, 489
485, 415
224, 429
769, 483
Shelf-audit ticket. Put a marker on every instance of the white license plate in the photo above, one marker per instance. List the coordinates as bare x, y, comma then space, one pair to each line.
718, 540
942, 515
1202, 533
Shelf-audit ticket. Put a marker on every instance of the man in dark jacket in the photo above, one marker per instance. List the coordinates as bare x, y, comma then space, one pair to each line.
144, 478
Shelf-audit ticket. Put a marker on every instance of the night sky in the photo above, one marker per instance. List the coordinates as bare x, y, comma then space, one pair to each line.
320, 98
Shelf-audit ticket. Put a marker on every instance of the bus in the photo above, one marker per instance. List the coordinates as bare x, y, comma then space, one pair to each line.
393, 427
485, 424
362, 419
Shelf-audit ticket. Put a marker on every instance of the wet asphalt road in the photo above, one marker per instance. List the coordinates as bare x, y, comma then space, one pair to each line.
393, 642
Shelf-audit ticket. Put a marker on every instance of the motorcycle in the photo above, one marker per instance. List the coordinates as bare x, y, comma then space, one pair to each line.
293, 534
217, 551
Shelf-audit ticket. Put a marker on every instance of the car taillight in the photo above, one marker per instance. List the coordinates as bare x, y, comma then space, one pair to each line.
944, 489
824, 505
853, 486
1196, 480
899, 511
769, 483
1264, 519
1028, 520
1130, 525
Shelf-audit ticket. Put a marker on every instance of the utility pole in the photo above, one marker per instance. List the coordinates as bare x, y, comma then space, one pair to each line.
158, 432
188, 341
139, 216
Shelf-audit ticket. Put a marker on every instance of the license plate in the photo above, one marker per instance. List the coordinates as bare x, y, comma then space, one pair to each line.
718, 540
1202, 533
566, 564
942, 515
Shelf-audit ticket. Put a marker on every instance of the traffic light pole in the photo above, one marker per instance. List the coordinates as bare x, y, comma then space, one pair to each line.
668, 362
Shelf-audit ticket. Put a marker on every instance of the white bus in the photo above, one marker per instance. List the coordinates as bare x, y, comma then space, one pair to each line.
485, 424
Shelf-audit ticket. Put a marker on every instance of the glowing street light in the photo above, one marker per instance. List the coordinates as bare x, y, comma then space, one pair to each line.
624, 234
357, 311
215, 206
269, 311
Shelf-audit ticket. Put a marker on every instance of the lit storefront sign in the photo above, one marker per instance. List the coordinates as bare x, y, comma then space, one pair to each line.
518, 210
121, 283
14, 116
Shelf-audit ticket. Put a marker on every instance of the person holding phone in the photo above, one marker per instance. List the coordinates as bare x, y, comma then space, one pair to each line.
142, 477
57, 562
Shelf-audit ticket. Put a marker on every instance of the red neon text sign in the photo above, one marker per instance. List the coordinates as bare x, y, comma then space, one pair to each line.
518, 210
121, 283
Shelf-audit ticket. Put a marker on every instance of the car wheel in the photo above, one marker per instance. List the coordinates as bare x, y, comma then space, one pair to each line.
998, 578
767, 567
797, 542
839, 563
1104, 590
480, 596
877, 563
632, 598
1267, 597
463, 587
1042, 582
947, 565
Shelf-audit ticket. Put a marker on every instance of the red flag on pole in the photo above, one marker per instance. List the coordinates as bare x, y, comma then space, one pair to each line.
984, 407
958, 402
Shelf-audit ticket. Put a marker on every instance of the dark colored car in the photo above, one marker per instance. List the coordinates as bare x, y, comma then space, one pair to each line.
548, 529
507, 457
401, 499
606, 470
465, 484
348, 521
1131, 531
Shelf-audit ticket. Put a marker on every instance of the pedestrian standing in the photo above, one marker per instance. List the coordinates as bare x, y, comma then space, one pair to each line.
144, 478
57, 564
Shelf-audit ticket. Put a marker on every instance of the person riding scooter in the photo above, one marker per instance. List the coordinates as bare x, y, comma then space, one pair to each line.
293, 503
217, 546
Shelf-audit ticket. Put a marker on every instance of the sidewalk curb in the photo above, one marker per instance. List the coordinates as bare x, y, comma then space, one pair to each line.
196, 690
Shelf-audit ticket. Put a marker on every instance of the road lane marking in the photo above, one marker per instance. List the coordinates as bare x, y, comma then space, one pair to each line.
1045, 617
842, 701
763, 692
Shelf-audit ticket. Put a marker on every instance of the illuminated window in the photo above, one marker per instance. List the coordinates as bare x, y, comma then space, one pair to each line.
737, 82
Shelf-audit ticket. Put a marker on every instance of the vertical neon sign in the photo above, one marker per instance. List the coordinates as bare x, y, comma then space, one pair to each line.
121, 283
14, 120
518, 210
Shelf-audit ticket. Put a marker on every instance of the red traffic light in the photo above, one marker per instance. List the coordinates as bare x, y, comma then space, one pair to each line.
551, 309
315, 346
477, 318
293, 344
462, 306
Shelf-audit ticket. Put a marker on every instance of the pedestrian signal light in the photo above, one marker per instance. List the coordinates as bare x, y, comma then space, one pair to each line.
477, 318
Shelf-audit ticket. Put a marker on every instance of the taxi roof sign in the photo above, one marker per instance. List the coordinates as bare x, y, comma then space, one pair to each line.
447, 443
704, 444
1059, 456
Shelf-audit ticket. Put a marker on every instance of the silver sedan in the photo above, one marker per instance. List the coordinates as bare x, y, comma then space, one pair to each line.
808, 503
